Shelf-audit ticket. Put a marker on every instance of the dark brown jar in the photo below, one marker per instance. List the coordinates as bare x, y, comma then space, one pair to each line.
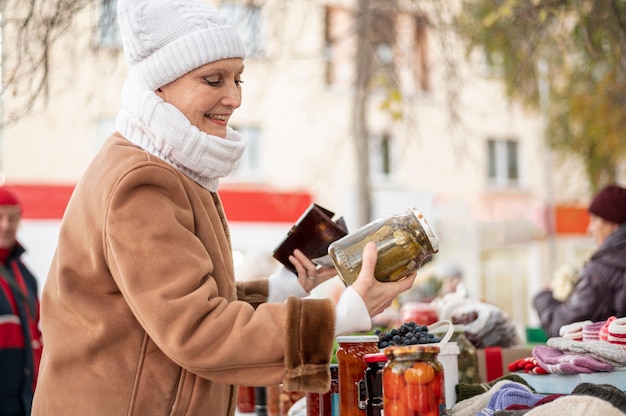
374, 383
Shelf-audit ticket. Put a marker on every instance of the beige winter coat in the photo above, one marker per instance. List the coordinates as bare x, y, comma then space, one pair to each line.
141, 314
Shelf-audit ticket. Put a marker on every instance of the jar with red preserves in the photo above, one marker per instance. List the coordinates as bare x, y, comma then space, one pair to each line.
245, 399
413, 381
350, 352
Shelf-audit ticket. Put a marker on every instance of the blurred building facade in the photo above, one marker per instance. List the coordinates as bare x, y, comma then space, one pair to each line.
450, 144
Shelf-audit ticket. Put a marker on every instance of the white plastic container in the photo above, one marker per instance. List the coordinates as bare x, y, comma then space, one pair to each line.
449, 356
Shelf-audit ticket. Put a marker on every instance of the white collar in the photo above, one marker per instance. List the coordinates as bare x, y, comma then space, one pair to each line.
163, 131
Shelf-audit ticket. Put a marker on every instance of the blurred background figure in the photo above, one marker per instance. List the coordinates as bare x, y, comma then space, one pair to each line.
451, 277
599, 291
20, 338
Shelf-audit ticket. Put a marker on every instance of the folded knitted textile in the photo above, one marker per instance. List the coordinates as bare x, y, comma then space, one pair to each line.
521, 409
555, 361
606, 392
486, 325
575, 405
574, 330
591, 332
467, 390
604, 331
507, 395
475, 404
617, 332
601, 350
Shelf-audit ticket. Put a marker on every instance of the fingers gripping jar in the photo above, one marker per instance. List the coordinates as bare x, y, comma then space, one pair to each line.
403, 241
350, 353
413, 381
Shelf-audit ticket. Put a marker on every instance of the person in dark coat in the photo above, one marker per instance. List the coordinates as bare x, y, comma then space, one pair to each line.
600, 291
20, 338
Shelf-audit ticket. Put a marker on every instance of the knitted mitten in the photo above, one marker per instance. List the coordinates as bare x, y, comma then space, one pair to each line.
603, 335
520, 409
591, 332
527, 365
616, 330
477, 403
507, 395
600, 350
574, 330
467, 390
556, 361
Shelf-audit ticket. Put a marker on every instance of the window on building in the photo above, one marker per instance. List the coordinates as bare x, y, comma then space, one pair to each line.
503, 163
247, 19
107, 32
250, 163
399, 48
381, 156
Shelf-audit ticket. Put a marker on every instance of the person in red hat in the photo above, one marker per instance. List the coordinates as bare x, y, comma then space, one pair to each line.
600, 291
20, 338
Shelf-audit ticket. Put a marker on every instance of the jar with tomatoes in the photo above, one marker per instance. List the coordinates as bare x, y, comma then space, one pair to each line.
413, 381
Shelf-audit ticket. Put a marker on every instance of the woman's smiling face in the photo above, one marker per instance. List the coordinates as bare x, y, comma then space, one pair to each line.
208, 95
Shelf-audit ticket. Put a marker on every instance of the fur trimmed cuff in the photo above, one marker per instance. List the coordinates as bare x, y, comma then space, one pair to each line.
309, 338
253, 291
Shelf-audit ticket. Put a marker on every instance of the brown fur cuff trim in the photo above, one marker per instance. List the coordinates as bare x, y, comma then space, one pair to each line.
309, 337
254, 292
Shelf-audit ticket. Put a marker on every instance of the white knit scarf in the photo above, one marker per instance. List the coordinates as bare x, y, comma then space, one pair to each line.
163, 131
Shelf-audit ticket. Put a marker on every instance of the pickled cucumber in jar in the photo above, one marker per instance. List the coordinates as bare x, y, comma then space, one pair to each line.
403, 242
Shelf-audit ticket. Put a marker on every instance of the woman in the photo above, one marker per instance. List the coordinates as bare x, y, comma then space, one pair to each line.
600, 291
141, 312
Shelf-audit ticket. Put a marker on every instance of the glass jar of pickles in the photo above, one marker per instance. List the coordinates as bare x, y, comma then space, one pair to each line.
350, 352
403, 241
413, 381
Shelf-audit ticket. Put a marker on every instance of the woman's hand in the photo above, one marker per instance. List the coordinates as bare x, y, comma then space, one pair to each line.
309, 275
377, 295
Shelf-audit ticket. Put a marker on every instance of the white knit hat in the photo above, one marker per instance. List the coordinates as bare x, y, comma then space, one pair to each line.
165, 39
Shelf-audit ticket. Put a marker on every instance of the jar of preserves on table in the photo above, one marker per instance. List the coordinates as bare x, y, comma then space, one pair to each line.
329, 401
403, 242
413, 381
245, 399
350, 352
272, 397
374, 383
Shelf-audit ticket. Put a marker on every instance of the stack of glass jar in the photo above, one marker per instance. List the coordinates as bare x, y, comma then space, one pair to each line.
398, 381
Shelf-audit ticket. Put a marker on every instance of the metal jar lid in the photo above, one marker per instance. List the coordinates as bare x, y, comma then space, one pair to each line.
432, 239
355, 339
